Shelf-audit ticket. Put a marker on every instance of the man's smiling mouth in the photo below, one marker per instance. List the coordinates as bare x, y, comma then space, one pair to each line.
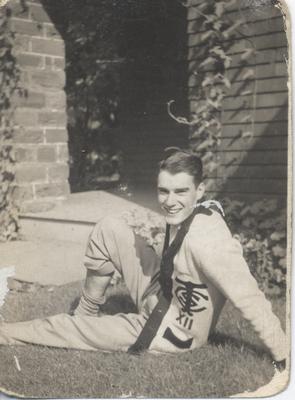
173, 212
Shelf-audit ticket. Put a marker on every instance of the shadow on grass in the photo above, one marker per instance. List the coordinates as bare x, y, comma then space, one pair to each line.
122, 303
115, 303
119, 303
219, 338
230, 364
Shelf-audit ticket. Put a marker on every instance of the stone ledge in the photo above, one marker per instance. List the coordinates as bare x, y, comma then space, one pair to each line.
87, 207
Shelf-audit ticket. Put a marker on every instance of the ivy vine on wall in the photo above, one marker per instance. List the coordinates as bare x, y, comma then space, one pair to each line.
260, 226
9, 79
210, 60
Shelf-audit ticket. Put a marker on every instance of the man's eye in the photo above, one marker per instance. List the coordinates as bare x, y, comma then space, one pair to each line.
162, 191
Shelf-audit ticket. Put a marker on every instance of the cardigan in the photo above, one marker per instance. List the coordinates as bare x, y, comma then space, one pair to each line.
209, 268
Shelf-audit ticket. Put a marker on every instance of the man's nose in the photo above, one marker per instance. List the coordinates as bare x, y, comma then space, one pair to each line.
170, 199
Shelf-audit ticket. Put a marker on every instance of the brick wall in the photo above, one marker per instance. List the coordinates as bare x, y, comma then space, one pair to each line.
40, 116
255, 165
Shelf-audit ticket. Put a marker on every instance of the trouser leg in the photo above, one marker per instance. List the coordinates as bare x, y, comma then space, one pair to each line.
110, 333
111, 245
114, 246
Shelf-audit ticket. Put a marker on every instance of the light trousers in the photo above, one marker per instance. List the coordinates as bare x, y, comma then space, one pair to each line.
112, 246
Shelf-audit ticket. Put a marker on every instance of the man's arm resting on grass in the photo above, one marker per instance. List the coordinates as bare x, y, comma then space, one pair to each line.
223, 263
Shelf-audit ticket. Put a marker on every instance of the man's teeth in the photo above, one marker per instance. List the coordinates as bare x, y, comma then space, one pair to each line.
172, 211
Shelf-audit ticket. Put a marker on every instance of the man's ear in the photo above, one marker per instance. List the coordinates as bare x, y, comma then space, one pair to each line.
200, 190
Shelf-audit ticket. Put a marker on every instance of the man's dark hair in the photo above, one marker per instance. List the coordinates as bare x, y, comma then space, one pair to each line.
179, 160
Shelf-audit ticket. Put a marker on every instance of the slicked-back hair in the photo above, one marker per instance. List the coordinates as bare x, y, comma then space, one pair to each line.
179, 160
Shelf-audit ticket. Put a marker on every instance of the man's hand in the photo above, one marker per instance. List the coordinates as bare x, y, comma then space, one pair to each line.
279, 365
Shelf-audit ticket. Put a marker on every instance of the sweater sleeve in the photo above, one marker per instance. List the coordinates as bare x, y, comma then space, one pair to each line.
220, 258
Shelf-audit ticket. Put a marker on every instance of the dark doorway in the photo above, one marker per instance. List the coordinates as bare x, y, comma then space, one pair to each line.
154, 72
125, 59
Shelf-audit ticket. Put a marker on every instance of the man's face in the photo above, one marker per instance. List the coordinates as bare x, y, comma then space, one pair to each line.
177, 195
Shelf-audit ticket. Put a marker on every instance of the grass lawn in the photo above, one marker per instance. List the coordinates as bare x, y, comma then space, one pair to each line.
233, 361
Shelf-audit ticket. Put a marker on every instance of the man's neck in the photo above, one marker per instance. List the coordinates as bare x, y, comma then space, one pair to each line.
175, 228
173, 231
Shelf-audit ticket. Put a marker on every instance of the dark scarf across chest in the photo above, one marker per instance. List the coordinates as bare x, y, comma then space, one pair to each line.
166, 270
169, 252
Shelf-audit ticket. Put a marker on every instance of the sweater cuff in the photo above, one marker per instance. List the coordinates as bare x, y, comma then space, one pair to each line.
279, 353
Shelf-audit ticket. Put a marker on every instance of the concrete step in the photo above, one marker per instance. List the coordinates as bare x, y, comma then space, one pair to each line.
41, 228
47, 262
54, 241
73, 219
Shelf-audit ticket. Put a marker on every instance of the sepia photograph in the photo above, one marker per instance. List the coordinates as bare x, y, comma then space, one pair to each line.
145, 198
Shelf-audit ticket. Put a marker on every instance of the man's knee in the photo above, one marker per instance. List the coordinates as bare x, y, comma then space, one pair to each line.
114, 226
109, 238
112, 222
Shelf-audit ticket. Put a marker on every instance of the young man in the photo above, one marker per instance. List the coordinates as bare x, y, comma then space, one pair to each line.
179, 298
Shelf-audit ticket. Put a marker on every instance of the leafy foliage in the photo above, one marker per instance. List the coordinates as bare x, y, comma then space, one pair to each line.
9, 78
209, 70
147, 224
261, 229
259, 226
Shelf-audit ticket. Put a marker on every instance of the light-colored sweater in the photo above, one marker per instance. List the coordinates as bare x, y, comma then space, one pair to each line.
208, 269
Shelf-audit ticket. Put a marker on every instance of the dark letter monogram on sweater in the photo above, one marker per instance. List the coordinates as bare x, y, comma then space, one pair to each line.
190, 297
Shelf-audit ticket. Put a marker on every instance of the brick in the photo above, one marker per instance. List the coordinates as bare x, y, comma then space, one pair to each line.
51, 31
63, 153
26, 117
23, 193
21, 43
48, 79
24, 80
18, 9
30, 99
59, 63
38, 13
27, 60
58, 173
30, 28
28, 136
30, 173
49, 62
46, 153
55, 118
25, 153
37, 206
51, 190
194, 2
56, 135
48, 46
56, 100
